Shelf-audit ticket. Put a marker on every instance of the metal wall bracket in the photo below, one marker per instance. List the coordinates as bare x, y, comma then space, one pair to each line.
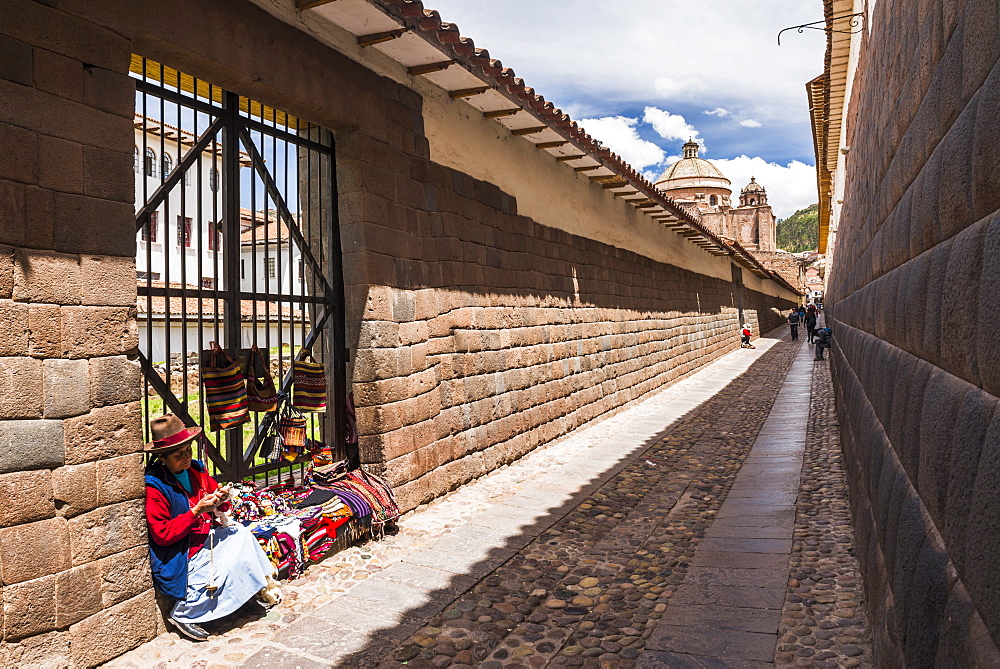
857, 24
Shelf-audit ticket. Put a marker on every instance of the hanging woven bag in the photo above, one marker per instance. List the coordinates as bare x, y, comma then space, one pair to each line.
292, 428
261, 393
309, 384
225, 392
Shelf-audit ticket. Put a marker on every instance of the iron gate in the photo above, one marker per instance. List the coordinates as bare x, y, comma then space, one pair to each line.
237, 243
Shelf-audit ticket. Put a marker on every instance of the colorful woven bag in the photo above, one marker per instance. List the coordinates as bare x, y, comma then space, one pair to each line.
261, 393
225, 392
309, 384
292, 429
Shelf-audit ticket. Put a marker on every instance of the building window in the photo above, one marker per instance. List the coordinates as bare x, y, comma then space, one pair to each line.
168, 164
207, 282
214, 236
213, 179
149, 230
712, 200
151, 276
272, 269
135, 160
150, 166
184, 231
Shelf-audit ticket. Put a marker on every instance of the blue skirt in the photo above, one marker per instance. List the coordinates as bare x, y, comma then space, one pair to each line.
232, 559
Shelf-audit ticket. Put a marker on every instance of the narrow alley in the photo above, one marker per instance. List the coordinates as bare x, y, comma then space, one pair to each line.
706, 526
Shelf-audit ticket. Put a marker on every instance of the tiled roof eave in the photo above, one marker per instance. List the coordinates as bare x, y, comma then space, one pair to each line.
445, 38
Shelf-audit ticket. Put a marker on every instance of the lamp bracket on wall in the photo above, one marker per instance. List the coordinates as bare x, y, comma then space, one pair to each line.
856, 24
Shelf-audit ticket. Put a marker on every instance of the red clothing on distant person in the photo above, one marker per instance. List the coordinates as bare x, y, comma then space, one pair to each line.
164, 530
746, 332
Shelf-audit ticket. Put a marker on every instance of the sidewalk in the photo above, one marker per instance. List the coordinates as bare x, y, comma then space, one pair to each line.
571, 555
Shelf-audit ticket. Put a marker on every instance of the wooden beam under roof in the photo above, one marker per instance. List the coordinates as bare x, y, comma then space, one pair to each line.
626, 193
468, 92
500, 113
378, 38
563, 159
613, 184
302, 5
528, 131
429, 67
551, 145
587, 168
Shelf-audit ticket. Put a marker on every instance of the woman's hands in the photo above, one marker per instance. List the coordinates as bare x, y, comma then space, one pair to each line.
206, 503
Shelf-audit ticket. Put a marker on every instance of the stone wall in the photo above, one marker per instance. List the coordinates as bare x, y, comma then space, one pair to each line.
475, 333
485, 334
74, 574
916, 363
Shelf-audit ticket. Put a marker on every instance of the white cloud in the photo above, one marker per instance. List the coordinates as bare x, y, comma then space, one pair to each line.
789, 187
750, 123
618, 133
718, 111
669, 126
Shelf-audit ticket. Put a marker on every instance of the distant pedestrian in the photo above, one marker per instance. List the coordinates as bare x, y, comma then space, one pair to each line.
822, 341
745, 337
810, 323
793, 323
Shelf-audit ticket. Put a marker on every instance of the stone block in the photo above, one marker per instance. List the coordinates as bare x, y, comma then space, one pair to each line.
19, 146
13, 327
58, 75
30, 444
101, 173
968, 440
39, 217
83, 224
942, 400
12, 214
43, 650
114, 380
16, 62
26, 497
78, 594
987, 353
29, 608
107, 281
21, 393
46, 276
60, 164
112, 632
6, 272
120, 479
33, 550
75, 489
63, 386
98, 331
109, 90
123, 576
44, 331
107, 530
105, 432
982, 542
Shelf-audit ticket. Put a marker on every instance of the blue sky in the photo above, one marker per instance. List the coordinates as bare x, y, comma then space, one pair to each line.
642, 75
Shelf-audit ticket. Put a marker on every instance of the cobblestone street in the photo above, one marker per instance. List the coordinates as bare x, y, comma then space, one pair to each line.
705, 526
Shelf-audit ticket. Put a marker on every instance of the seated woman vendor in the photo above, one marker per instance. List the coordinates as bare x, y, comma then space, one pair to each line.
210, 570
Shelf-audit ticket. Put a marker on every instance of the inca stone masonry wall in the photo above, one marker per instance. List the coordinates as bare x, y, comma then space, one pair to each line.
916, 362
475, 333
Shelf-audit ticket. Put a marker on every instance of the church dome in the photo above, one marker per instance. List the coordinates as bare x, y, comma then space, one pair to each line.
753, 186
692, 171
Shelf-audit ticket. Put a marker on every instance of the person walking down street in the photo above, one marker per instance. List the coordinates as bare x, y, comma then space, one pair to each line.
793, 324
822, 337
810, 323
745, 337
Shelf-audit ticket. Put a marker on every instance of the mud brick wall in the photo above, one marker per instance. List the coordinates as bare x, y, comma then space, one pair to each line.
485, 334
73, 568
916, 362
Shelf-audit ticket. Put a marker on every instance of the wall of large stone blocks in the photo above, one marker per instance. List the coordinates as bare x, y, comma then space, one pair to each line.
74, 578
476, 334
485, 334
917, 368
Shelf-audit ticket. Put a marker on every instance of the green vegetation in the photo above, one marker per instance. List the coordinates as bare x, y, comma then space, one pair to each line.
800, 231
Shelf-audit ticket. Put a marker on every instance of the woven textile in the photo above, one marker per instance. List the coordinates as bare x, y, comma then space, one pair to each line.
225, 392
309, 385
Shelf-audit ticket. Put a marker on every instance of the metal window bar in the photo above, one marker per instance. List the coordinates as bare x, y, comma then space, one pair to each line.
262, 184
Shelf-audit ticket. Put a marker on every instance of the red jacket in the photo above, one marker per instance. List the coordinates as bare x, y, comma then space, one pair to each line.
165, 530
